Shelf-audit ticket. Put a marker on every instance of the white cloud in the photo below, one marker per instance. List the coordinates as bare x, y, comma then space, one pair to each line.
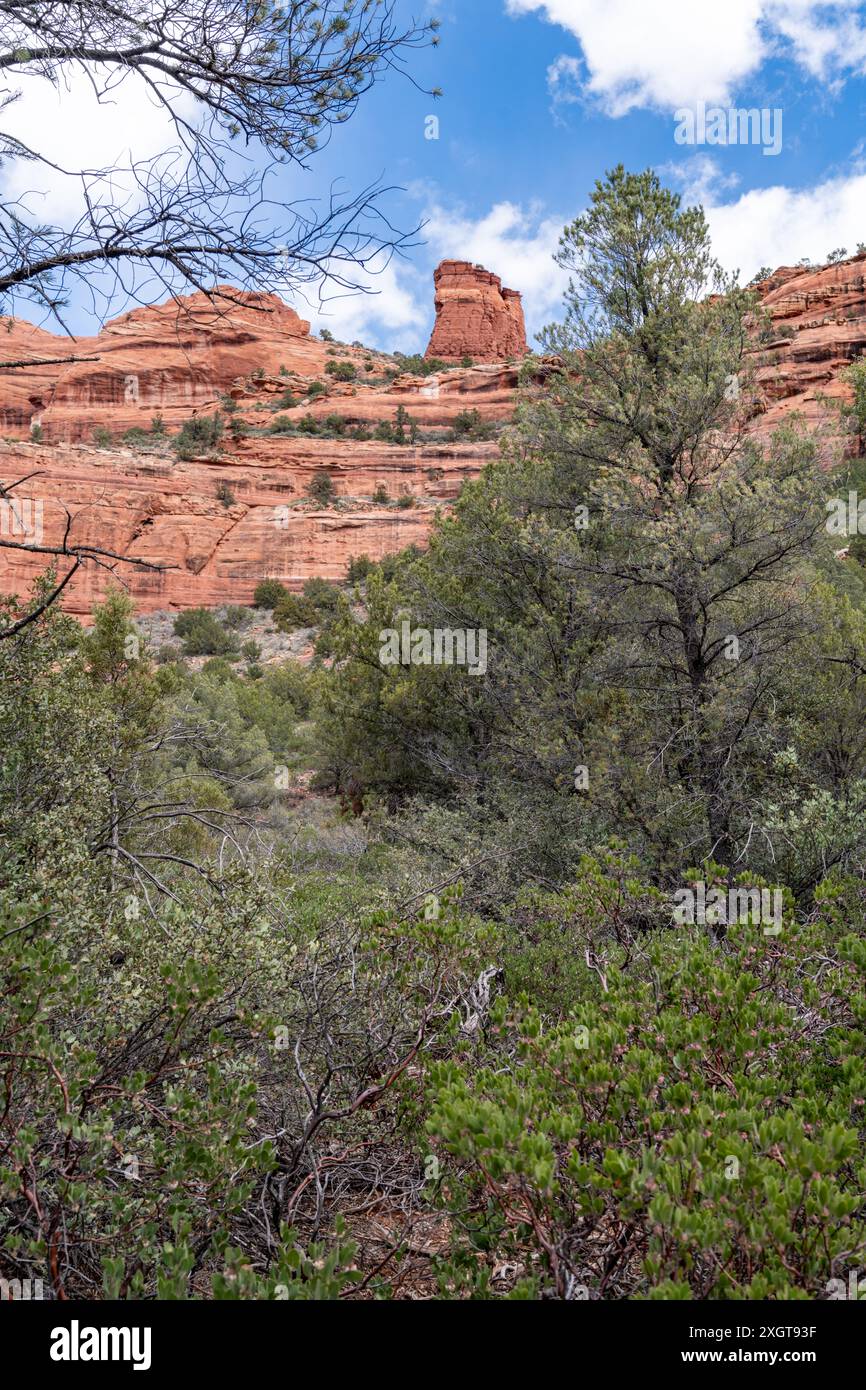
778, 226
700, 179
392, 315
670, 53
68, 126
826, 37
564, 82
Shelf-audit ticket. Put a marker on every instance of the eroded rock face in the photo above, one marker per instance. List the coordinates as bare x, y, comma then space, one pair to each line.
817, 326
218, 525
475, 316
171, 360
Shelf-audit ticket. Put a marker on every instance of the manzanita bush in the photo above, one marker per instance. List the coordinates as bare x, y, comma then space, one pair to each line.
693, 1128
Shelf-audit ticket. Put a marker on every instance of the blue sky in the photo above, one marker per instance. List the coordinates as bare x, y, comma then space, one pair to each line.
540, 97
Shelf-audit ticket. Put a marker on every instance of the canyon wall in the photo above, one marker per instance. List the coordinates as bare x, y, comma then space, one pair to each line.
217, 525
817, 326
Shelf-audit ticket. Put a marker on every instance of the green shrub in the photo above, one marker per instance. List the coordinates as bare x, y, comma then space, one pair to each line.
236, 617
168, 653
293, 612
281, 424
308, 424
268, 593
317, 388
203, 634
685, 1097
200, 435
323, 596
316, 604
282, 700
342, 370
469, 424
857, 549
321, 489
418, 365
403, 422
103, 438
390, 565
359, 567
136, 436
220, 668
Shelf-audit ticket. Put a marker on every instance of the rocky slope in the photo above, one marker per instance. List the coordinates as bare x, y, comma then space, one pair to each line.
220, 522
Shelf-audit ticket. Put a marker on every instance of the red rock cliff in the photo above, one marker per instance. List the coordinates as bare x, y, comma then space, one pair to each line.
221, 523
475, 316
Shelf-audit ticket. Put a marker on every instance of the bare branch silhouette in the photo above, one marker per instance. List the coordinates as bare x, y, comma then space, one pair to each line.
44, 362
248, 88
63, 550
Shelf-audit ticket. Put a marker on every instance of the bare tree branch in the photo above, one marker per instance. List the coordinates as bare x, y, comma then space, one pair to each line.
247, 88
44, 362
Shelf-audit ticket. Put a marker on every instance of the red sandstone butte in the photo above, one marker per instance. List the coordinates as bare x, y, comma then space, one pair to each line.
475, 316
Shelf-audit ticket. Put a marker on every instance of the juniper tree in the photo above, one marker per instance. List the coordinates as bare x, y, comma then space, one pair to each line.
643, 564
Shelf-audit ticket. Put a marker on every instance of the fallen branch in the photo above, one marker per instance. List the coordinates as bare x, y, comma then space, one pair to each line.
44, 362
